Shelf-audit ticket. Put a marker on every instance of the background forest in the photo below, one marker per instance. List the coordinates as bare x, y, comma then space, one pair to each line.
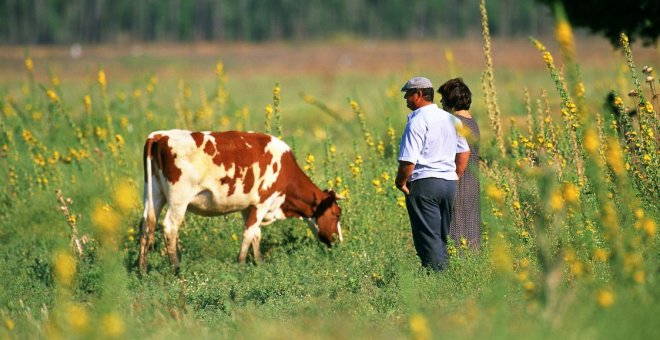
83, 21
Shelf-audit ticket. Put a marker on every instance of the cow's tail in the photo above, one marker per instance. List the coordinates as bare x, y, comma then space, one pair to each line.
148, 224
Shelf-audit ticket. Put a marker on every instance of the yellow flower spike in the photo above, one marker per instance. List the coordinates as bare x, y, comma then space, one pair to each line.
88, 103
649, 227
639, 276
605, 297
649, 107
9, 323
556, 201
501, 257
570, 193
564, 35
77, 317
65, 268
591, 141
401, 201
385, 176
101, 78
601, 255
106, 220
419, 327
112, 325
615, 156
52, 96
126, 197
495, 193
29, 64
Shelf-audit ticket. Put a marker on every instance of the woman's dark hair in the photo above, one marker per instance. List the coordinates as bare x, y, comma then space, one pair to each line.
455, 94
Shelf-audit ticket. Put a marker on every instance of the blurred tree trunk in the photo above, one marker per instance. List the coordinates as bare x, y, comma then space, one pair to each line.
11, 21
218, 20
505, 17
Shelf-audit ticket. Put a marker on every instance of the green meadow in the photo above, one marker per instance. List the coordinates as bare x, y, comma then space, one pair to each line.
569, 192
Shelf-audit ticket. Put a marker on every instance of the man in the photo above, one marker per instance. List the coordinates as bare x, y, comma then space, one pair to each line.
432, 157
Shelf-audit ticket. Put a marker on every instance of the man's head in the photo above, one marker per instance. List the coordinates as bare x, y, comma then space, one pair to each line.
418, 92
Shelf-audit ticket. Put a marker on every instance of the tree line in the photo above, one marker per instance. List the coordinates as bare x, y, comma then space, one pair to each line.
96, 21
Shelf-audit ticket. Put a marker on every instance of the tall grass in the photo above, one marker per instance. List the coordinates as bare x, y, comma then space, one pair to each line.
570, 229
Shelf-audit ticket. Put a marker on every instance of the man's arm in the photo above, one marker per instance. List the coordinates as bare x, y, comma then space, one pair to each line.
402, 175
462, 162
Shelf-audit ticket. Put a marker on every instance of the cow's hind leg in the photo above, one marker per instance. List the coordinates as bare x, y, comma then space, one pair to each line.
171, 223
147, 227
252, 233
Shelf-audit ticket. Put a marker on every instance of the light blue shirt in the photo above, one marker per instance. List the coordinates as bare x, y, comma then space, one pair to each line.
431, 142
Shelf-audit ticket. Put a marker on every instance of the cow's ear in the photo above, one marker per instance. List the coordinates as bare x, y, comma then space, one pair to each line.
315, 201
334, 194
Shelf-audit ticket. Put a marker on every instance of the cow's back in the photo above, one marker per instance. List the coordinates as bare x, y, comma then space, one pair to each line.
217, 172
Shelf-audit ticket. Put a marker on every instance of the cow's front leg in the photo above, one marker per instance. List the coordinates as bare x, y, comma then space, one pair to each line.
251, 234
171, 223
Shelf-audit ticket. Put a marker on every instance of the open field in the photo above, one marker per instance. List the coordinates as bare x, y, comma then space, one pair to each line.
569, 203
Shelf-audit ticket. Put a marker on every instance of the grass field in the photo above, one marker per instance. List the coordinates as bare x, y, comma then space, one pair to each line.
569, 204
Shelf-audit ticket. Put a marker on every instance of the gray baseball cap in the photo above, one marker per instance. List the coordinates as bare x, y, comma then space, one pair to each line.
417, 83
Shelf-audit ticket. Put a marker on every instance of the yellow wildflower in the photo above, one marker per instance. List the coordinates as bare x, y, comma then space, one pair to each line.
9, 323
29, 65
618, 101
601, 255
615, 156
605, 298
564, 35
494, 193
125, 196
649, 107
547, 57
570, 192
101, 78
105, 219
401, 201
112, 325
77, 317
65, 268
556, 201
419, 327
639, 276
385, 176
649, 227
591, 141
52, 96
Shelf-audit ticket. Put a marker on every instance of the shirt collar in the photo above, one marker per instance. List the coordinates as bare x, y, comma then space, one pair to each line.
423, 108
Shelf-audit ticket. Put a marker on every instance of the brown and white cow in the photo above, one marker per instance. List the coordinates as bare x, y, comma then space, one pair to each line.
216, 173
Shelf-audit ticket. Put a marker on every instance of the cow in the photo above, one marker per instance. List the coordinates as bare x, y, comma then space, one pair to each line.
217, 173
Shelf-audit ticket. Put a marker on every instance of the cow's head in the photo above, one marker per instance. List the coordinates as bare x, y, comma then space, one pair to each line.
327, 215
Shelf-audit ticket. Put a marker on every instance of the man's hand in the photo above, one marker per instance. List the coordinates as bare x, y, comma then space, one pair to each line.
402, 176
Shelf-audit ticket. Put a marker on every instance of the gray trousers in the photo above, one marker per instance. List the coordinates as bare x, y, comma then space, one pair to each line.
429, 209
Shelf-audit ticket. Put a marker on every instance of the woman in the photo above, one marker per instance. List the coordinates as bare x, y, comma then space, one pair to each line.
465, 224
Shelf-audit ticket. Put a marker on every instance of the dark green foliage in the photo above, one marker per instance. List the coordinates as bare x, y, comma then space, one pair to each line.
638, 19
